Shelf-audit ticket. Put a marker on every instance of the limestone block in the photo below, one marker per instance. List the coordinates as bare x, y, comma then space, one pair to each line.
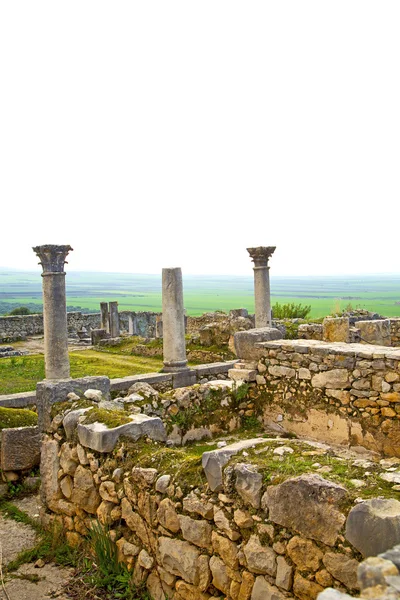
85, 494
263, 590
220, 577
248, 484
71, 420
162, 483
305, 589
308, 504
260, 559
20, 448
242, 374
375, 332
277, 371
246, 586
245, 341
336, 379
193, 504
332, 594
223, 523
227, 550
49, 467
373, 572
214, 461
284, 574
179, 558
168, 516
196, 532
304, 553
49, 392
336, 329
373, 526
99, 437
342, 568
185, 591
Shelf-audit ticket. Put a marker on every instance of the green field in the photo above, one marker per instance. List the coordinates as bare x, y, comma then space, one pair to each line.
204, 293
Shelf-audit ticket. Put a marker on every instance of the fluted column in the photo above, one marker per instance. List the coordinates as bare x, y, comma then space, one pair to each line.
262, 293
52, 258
173, 320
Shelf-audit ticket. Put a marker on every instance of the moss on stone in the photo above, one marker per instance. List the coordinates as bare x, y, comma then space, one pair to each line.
110, 418
60, 407
17, 417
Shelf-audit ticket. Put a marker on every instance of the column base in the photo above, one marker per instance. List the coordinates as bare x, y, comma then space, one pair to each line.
175, 366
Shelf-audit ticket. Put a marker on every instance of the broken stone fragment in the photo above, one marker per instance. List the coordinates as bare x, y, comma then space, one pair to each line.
214, 461
99, 437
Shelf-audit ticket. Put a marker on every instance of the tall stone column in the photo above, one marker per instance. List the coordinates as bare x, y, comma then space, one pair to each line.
105, 318
262, 294
52, 259
114, 320
173, 319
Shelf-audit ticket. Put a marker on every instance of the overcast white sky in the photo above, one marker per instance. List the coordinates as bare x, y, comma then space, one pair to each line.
164, 133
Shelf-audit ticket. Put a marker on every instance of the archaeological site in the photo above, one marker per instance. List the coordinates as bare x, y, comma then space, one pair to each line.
261, 461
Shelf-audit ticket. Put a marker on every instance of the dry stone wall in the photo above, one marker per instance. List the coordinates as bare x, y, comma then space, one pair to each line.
249, 540
340, 393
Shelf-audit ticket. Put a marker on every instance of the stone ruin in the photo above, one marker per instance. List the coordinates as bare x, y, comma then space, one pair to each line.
238, 528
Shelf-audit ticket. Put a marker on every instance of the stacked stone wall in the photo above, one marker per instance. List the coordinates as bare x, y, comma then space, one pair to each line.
20, 327
395, 331
246, 540
340, 393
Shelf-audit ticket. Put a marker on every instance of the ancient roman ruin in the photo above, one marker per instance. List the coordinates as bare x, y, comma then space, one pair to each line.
273, 475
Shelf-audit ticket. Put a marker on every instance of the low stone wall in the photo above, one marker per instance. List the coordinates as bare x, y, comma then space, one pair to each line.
20, 327
395, 331
247, 539
335, 392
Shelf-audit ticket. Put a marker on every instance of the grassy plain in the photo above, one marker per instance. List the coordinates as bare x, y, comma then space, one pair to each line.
21, 373
204, 293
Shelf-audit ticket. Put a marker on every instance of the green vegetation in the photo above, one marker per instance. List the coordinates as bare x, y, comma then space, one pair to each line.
203, 293
20, 310
17, 417
20, 374
290, 311
110, 418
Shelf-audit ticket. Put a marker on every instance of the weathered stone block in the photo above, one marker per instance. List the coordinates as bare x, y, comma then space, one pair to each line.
214, 461
245, 341
308, 504
99, 437
336, 329
335, 379
248, 484
375, 332
373, 526
20, 448
179, 558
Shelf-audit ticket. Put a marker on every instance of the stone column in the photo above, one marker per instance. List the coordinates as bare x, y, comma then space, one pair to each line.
114, 320
52, 259
105, 317
173, 319
262, 295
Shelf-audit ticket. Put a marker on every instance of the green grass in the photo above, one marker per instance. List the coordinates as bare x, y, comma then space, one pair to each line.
20, 374
207, 293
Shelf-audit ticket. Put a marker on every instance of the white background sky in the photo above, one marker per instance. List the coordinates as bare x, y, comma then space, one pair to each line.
160, 133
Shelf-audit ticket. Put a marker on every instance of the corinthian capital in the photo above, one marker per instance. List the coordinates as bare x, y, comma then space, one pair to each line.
261, 254
52, 257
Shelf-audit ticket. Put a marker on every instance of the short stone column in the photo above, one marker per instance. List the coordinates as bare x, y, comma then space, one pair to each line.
114, 320
262, 294
52, 259
173, 319
105, 317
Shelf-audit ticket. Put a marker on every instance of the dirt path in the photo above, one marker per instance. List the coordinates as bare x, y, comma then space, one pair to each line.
16, 537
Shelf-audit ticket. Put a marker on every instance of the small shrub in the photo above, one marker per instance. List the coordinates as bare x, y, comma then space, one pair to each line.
20, 310
290, 311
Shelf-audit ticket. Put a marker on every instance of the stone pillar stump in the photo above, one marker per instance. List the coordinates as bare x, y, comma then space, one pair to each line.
52, 258
173, 320
105, 317
262, 294
114, 320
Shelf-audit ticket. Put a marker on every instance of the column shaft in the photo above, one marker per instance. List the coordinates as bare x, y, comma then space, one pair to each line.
105, 317
173, 320
262, 292
114, 320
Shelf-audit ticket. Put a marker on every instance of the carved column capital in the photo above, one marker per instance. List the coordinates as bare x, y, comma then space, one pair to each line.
52, 257
261, 254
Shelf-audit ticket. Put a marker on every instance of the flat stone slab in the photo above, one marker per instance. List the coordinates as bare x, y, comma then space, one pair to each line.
367, 351
20, 400
214, 461
99, 437
20, 448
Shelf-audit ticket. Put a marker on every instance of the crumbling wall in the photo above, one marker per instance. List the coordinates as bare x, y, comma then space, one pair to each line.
340, 393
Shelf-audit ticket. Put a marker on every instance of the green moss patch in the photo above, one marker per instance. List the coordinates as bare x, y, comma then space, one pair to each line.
17, 417
110, 418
